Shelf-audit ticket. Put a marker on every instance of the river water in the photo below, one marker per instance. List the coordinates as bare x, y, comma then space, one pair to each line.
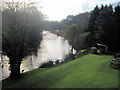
53, 48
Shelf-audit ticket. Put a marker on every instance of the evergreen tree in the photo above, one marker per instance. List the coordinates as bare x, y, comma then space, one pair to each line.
92, 28
116, 34
93, 17
104, 24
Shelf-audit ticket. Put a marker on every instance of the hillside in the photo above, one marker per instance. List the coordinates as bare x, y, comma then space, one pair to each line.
90, 71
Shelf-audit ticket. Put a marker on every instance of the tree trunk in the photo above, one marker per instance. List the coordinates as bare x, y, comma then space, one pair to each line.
15, 69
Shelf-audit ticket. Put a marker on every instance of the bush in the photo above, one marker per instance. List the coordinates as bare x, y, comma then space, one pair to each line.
115, 63
117, 55
81, 53
94, 50
101, 51
47, 65
110, 53
70, 57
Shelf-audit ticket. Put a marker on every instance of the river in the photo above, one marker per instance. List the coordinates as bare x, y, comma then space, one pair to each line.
53, 48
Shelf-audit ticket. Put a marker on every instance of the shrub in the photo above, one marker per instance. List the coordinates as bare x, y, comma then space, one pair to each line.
101, 51
115, 63
81, 53
70, 57
110, 53
117, 55
94, 50
47, 64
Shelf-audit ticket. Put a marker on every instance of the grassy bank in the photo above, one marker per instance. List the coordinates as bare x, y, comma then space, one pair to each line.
90, 71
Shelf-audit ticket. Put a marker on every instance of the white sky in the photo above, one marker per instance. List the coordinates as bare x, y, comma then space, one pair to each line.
60, 9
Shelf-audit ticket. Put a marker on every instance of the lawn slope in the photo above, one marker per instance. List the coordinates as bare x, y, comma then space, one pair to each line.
90, 71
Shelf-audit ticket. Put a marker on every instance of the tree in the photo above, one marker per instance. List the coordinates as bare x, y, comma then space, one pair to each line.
105, 26
91, 38
75, 36
21, 33
0, 29
116, 33
93, 17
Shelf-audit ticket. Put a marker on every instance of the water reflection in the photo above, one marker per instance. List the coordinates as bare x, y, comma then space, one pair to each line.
53, 48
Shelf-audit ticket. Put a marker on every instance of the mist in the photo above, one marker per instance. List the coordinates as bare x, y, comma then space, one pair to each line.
52, 48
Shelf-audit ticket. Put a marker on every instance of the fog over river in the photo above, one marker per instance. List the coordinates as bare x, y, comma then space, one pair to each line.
53, 48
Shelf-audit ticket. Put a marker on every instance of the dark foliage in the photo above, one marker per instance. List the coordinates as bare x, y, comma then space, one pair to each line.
102, 25
115, 63
47, 65
21, 33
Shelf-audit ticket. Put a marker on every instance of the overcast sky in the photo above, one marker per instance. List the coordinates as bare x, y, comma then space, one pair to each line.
59, 9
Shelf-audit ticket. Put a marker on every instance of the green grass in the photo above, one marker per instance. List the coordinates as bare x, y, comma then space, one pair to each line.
89, 71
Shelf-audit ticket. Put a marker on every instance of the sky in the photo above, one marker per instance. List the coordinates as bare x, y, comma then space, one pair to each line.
60, 9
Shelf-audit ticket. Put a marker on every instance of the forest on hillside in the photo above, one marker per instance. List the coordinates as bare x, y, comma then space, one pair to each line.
85, 30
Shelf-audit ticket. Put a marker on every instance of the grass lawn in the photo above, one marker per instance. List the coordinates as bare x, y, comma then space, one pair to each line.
89, 71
